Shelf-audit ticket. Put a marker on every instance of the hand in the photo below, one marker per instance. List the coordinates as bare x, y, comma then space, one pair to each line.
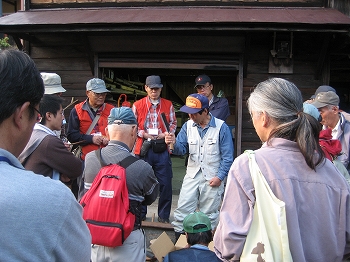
64, 178
160, 136
169, 138
146, 136
105, 141
68, 146
214, 182
97, 140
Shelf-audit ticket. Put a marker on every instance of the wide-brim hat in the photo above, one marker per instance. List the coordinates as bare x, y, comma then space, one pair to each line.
195, 103
52, 83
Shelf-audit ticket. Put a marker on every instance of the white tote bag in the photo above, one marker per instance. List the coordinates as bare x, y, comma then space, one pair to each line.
267, 239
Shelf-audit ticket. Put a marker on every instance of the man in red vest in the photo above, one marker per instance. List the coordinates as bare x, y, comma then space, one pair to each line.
81, 118
148, 112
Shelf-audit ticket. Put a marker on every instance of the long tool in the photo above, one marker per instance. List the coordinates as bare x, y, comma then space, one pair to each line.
167, 127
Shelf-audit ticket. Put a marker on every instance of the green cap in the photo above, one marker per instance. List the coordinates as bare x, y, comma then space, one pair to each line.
194, 219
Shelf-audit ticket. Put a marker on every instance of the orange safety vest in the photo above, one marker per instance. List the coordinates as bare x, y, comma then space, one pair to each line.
142, 110
85, 122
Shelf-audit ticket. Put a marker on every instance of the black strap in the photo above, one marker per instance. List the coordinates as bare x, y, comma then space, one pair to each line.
124, 163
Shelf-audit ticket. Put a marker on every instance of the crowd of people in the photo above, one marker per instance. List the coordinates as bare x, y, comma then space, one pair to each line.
304, 159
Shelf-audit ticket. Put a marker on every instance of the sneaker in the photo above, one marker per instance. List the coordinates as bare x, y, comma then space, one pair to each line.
163, 220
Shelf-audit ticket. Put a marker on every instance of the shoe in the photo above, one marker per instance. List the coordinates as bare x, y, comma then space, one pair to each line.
163, 220
143, 218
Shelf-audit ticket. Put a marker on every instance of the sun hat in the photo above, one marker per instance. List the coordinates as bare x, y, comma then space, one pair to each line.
201, 80
154, 82
311, 110
194, 219
96, 85
52, 83
195, 103
121, 115
326, 98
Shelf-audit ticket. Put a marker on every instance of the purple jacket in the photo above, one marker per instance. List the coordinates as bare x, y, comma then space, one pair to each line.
317, 204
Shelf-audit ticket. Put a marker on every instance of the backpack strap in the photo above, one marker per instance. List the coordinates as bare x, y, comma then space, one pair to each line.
124, 163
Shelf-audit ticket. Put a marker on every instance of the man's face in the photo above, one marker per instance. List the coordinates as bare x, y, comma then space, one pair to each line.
57, 120
96, 99
329, 115
153, 93
198, 118
205, 89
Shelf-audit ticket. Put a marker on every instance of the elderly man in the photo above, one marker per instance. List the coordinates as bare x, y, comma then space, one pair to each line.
88, 120
327, 104
218, 106
40, 218
141, 183
148, 111
208, 142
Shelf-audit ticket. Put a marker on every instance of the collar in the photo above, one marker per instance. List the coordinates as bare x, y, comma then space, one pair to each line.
41, 127
13, 160
119, 144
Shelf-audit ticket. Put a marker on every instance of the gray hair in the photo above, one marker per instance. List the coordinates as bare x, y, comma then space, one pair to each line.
281, 100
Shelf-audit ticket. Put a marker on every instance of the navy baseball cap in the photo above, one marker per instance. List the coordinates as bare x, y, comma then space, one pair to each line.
195, 103
154, 82
201, 80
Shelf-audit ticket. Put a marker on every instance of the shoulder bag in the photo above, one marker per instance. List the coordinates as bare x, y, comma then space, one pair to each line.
77, 151
267, 239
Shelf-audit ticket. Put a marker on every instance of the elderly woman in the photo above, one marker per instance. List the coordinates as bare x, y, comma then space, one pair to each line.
316, 195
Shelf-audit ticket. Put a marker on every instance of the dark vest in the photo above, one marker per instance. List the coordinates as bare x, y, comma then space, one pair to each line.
193, 255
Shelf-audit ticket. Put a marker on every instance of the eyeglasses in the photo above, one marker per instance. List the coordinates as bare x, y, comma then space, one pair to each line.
38, 117
98, 94
202, 87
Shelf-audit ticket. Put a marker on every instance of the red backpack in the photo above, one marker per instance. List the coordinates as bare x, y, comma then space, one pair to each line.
106, 204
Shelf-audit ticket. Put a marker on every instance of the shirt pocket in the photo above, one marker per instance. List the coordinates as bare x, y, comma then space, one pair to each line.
212, 147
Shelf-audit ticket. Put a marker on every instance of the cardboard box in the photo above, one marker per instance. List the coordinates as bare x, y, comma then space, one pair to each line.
163, 245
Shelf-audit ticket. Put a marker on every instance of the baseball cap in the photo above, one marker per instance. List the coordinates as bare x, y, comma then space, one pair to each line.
121, 115
96, 85
311, 110
52, 83
321, 89
326, 98
154, 82
194, 219
195, 103
202, 80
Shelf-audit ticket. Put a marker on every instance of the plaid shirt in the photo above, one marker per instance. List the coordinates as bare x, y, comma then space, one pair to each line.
153, 119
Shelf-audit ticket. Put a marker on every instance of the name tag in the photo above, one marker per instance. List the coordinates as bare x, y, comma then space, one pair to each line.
153, 131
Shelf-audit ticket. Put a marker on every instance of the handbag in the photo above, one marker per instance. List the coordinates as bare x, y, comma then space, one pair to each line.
77, 151
159, 145
267, 239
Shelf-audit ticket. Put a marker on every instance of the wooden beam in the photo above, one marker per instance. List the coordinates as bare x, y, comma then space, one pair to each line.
239, 109
322, 56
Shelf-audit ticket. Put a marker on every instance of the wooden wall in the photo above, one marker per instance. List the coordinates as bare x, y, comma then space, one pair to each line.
68, 57
306, 53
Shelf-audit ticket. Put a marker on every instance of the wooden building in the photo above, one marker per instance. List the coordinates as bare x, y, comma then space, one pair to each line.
238, 43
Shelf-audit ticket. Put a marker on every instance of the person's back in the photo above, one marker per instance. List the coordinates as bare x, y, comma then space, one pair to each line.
316, 196
321, 196
40, 218
140, 180
195, 253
